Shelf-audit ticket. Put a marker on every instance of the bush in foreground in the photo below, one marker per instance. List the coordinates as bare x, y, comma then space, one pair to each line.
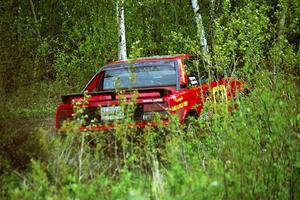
251, 153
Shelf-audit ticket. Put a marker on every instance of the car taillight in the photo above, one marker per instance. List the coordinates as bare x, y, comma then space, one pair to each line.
63, 115
155, 107
150, 110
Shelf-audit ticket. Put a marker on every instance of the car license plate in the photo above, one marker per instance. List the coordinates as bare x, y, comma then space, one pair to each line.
112, 113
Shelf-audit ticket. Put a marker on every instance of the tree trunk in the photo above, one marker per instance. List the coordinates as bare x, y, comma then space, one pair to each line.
35, 20
281, 26
281, 33
122, 37
213, 21
200, 28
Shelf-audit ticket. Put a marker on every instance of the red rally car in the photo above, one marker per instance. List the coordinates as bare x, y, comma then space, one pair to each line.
163, 87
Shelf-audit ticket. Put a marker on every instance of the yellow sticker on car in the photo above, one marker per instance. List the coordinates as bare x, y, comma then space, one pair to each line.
178, 106
219, 94
178, 99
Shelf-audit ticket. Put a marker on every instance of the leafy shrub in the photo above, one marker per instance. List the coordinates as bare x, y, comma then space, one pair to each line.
251, 153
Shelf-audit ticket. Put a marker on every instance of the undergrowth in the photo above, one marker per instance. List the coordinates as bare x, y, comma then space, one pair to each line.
250, 153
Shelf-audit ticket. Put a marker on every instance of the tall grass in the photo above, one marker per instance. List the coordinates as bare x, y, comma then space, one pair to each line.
250, 153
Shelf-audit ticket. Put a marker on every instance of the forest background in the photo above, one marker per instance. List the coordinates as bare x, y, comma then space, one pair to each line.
52, 47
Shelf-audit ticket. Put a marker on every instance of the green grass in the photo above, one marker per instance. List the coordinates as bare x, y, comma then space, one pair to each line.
252, 153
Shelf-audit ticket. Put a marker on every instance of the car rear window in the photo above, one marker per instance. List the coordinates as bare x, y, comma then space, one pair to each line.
143, 74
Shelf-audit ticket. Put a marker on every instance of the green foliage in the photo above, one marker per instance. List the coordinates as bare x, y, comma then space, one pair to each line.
239, 38
251, 153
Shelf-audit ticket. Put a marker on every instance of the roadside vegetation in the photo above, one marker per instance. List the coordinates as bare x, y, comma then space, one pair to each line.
251, 153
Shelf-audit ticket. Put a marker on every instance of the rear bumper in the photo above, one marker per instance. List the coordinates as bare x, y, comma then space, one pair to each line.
113, 127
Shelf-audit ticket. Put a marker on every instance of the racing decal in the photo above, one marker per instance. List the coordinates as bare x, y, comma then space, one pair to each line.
178, 106
157, 100
219, 94
178, 99
152, 100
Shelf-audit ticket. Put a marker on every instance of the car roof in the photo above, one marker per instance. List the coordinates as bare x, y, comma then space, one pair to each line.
153, 58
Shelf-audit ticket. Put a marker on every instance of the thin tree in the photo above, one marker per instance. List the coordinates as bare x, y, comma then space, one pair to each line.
122, 54
203, 41
213, 21
35, 20
200, 27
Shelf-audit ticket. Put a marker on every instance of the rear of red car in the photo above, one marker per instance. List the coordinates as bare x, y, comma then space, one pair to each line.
103, 109
157, 85
151, 82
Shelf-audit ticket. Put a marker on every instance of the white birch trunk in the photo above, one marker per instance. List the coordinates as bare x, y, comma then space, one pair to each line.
122, 54
200, 28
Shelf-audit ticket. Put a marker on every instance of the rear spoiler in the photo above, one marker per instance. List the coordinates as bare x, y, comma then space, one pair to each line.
68, 98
